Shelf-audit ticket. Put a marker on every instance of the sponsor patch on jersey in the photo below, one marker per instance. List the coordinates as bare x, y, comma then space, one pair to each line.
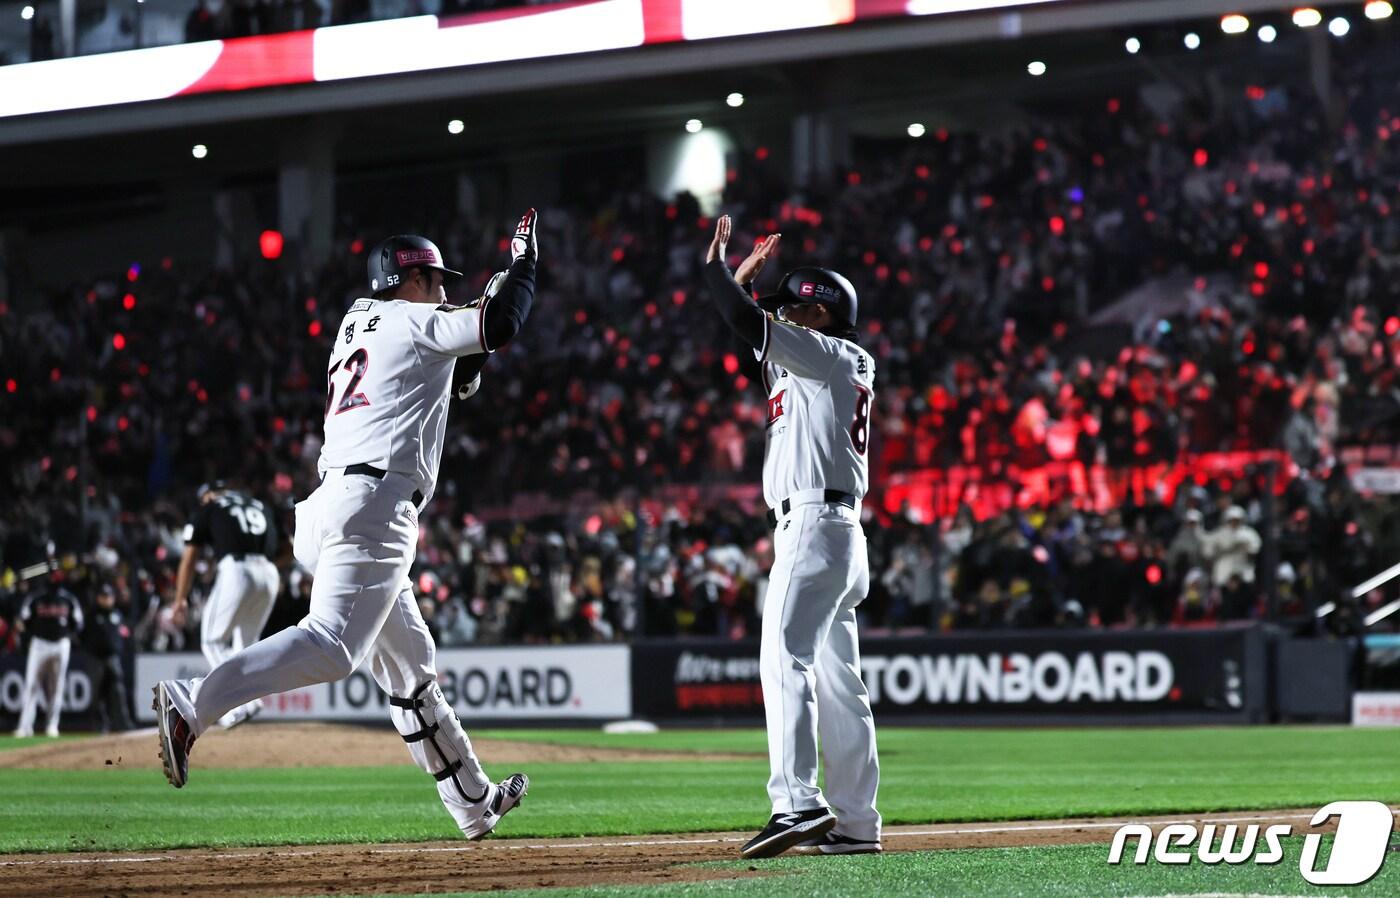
775, 406
416, 257
362, 305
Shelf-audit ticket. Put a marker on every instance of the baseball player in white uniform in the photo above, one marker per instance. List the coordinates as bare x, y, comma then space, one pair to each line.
243, 536
52, 616
389, 383
820, 388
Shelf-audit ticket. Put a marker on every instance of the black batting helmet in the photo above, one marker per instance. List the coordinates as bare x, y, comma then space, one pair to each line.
815, 285
395, 256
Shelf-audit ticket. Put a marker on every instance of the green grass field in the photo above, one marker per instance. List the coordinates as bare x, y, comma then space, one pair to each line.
928, 775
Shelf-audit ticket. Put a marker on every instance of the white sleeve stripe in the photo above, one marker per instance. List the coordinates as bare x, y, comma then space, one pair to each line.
763, 353
481, 324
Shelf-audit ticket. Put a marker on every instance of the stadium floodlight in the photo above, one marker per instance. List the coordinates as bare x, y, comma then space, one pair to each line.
1267, 33
1234, 23
694, 125
1192, 40
735, 100
199, 151
916, 129
1306, 17
1378, 9
1132, 45
456, 126
1339, 27
27, 13
1036, 68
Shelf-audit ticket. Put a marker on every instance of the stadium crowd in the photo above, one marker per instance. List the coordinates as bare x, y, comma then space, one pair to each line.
995, 273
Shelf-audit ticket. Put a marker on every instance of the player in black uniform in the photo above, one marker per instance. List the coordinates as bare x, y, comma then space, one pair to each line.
243, 535
51, 616
106, 639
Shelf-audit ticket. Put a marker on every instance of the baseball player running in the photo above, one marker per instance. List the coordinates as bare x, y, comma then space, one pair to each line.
820, 388
389, 381
51, 616
243, 536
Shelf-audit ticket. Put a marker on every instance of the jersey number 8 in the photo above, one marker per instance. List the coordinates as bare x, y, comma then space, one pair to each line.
860, 427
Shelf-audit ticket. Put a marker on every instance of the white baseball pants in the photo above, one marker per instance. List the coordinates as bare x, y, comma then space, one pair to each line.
357, 536
45, 671
238, 608
809, 664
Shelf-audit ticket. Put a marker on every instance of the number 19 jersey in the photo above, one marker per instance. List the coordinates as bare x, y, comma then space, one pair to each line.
389, 383
233, 524
821, 392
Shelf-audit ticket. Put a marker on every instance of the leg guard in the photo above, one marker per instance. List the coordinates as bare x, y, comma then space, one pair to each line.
440, 746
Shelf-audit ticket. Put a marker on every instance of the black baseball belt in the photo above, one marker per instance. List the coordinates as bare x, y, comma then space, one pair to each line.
831, 496
378, 474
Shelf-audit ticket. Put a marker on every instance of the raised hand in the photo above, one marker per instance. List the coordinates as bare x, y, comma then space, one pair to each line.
717, 245
748, 270
526, 242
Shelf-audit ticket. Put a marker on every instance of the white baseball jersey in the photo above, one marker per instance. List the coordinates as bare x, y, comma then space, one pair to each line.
389, 384
820, 398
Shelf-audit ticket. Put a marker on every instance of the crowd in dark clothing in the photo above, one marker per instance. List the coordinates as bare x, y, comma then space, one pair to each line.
1262, 240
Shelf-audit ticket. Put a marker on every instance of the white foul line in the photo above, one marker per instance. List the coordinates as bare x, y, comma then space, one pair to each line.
505, 845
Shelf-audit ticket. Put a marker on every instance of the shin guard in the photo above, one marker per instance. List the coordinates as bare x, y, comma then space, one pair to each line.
440, 747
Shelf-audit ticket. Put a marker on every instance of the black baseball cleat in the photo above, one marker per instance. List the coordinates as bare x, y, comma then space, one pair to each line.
833, 843
176, 737
501, 799
786, 830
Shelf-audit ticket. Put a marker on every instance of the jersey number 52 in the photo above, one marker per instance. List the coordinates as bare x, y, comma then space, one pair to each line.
357, 363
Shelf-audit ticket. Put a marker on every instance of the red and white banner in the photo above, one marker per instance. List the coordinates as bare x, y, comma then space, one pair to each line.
419, 43
1375, 709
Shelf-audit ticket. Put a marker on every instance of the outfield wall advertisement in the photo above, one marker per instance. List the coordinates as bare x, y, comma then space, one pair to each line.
520, 683
1078, 673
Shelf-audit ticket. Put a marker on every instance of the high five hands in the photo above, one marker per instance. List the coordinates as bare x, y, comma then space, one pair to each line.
749, 269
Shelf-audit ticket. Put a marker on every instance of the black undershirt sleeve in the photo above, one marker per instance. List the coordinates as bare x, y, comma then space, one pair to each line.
506, 311
735, 305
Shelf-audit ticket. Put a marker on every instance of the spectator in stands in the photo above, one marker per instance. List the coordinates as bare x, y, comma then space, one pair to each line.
1187, 549
1231, 549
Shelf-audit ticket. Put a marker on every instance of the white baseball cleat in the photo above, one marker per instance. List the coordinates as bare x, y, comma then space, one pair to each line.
499, 800
176, 737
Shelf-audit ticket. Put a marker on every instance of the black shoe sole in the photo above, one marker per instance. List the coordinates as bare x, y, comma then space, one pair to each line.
833, 850
780, 842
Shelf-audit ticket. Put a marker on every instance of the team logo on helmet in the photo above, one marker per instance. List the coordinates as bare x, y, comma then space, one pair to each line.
811, 288
416, 257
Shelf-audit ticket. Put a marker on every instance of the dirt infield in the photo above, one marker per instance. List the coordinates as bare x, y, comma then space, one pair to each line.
441, 866
495, 864
290, 744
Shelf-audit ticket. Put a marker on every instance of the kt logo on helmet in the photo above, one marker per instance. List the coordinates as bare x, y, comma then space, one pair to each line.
416, 257
808, 288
